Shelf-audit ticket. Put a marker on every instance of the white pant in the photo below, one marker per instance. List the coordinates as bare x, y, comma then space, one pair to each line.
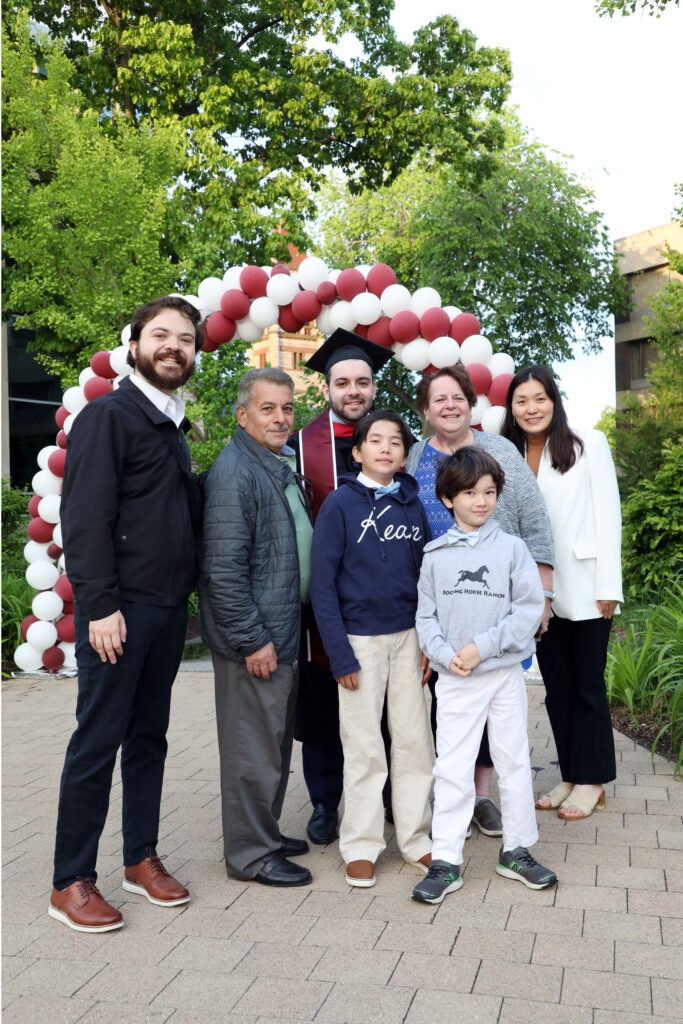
390, 665
463, 706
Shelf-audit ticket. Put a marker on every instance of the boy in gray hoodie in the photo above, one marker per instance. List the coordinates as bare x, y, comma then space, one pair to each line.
480, 604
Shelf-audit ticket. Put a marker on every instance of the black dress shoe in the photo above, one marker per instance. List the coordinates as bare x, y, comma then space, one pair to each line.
276, 870
293, 847
322, 828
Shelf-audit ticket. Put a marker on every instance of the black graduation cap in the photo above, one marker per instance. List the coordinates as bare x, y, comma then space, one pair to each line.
342, 345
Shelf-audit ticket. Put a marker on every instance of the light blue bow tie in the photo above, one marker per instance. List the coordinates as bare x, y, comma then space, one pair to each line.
392, 488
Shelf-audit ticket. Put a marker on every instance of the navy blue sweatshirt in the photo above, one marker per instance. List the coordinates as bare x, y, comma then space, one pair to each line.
365, 565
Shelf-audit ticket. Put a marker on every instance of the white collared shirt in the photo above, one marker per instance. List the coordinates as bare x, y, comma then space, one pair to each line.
169, 405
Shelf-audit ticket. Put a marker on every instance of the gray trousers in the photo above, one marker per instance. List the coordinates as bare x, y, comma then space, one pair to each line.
255, 719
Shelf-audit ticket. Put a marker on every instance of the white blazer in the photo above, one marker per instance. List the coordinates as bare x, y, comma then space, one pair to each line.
584, 509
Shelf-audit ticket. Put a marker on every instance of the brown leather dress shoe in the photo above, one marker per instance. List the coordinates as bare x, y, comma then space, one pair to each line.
360, 873
151, 879
82, 907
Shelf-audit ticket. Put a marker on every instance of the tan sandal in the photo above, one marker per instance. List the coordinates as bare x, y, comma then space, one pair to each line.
576, 807
552, 800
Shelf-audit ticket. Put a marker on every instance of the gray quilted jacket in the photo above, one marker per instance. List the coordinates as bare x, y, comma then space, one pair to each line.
249, 579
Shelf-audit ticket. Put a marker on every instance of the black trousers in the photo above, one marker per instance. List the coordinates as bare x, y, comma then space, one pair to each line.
572, 658
125, 705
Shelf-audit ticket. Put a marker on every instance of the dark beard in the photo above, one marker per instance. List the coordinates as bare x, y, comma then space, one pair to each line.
166, 379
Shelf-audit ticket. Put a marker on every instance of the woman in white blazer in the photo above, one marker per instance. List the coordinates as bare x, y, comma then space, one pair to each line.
576, 477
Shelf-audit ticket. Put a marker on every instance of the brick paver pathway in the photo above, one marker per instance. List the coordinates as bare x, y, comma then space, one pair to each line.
602, 948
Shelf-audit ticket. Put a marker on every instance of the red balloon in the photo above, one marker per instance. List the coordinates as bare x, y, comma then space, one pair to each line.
25, 623
209, 345
498, 391
349, 284
306, 306
33, 505
68, 608
463, 326
480, 376
253, 281
287, 321
40, 531
326, 292
61, 439
405, 326
380, 332
280, 268
54, 551
97, 386
61, 415
101, 365
63, 588
235, 304
380, 277
220, 328
56, 460
53, 658
429, 369
361, 330
66, 631
477, 426
434, 323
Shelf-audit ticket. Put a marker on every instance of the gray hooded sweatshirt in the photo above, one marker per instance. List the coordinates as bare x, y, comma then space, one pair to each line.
489, 593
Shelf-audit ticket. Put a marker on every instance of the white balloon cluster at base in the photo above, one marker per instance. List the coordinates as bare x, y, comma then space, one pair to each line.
247, 300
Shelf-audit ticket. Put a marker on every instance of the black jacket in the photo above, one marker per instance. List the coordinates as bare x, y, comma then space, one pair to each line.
128, 506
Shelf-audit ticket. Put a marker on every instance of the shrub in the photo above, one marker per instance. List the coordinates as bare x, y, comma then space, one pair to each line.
16, 593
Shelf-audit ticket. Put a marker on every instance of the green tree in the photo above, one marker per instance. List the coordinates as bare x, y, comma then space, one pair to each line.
85, 209
525, 251
608, 8
607, 423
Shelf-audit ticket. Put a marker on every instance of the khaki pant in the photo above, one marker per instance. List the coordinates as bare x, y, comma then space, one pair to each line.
390, 665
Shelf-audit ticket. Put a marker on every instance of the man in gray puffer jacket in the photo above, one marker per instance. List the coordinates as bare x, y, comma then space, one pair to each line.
255, 570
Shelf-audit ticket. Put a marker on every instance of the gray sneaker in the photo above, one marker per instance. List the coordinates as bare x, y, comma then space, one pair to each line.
487, 818
441, 879
521, 865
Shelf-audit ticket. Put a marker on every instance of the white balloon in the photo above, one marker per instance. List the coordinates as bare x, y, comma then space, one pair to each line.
324, 320
125, 334
395, 298
41, 635
231, 278
42, 575
424, 299
61, 562
501, 362
45, 453
35, 552
476, 349
117, 359
341, 315
415, 354
267, 269
263, 313
479, 409
445, 351
194, 300
312, 272
332, 275
210, 292
366, 308
492, 419
44, 482
57, 535
74, 399
85, 375
47, 605
68, 423
295, 277
281, 289
396, 348
27, 658
364, 268
247, 330
69, 654
452, 311
48, 508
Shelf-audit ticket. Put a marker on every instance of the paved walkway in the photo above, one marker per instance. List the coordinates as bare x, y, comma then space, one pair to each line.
602, 948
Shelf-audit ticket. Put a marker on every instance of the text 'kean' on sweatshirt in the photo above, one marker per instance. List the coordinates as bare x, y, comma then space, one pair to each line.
365, 564
490, 594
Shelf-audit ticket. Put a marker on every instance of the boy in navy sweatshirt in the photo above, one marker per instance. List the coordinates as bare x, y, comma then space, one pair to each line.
480, 604
367, 550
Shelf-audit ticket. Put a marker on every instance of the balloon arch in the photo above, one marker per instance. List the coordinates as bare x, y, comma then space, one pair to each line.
244, 303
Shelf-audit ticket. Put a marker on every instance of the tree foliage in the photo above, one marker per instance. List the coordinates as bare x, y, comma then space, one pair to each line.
525, 250
608, 8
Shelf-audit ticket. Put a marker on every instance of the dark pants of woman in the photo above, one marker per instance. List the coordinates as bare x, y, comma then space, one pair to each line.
572, 658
